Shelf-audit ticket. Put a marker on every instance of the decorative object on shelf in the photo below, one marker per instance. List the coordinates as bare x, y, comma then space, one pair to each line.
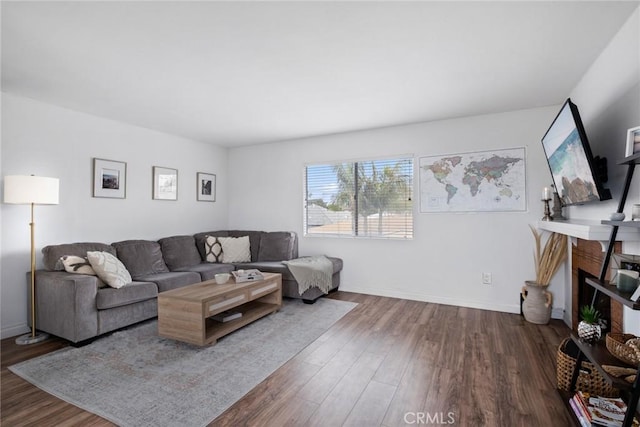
537, 303
633, 141
625, 270
625, 347
546, 198
627, 280
250, 275
31, 190
557, 207
618, 371
617, 216
165, 183
206, 187
589, 328
109, 179
589, 379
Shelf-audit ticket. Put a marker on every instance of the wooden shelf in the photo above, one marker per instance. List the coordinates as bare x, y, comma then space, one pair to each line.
612, 292
631, 224
631, 160
598, 354
251, 311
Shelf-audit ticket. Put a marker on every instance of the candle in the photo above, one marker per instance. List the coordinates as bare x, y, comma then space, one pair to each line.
546, 193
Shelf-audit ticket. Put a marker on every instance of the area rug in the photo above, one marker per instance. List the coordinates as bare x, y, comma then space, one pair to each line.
134, 377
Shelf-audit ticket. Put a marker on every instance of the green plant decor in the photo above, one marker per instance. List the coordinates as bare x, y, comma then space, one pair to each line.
589, 315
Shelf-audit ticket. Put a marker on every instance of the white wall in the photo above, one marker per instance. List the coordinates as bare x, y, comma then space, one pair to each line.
444, 262
46, 140
608, 97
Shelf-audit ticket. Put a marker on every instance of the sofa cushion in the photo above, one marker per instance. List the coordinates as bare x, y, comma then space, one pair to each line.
235, 249
254, 239
201, 237
109, 269
141, 257
179, 251
171, 280
208, 270
213, 249
53, 253
132, 293
276, 246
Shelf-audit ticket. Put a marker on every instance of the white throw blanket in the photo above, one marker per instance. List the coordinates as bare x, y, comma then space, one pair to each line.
312, 271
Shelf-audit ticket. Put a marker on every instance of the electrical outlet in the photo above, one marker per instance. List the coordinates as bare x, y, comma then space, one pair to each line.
486, 278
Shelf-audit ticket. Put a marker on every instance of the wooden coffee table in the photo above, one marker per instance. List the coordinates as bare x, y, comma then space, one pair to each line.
184, 314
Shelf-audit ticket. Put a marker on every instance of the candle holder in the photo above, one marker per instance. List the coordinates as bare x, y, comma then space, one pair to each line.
547, 210
557, 208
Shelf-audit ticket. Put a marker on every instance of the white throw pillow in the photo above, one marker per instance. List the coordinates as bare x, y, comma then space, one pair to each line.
77, 264
235, 249
109, 268
213, 249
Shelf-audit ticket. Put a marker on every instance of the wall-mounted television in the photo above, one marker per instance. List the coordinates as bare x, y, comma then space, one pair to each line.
577, 175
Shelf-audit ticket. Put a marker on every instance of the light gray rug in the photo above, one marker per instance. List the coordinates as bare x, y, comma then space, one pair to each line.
135, 378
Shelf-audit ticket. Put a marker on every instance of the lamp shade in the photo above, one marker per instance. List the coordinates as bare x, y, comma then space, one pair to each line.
27, 189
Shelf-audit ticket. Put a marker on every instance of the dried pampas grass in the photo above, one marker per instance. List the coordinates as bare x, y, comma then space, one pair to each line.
551, 258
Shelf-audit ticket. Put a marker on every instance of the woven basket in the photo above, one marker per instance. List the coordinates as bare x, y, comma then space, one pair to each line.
616, 346
589, 379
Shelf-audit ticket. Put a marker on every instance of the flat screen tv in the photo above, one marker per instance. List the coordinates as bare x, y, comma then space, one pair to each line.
577, 175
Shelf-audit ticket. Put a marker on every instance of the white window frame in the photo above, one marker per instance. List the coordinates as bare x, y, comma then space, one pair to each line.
354, 231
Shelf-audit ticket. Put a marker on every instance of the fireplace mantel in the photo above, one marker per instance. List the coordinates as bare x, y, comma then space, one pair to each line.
589, 229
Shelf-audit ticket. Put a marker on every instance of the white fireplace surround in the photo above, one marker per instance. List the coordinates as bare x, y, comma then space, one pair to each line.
589, 229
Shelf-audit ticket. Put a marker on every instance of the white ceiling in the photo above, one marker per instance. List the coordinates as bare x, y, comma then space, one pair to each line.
252, 72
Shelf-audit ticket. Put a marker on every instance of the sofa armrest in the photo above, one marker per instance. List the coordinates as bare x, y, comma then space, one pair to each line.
66, 304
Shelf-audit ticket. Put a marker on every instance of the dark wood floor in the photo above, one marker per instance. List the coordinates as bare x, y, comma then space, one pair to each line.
389, 362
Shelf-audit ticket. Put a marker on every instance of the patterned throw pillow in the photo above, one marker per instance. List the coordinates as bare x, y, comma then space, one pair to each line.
235, 249
109, 269
213, 249
76, 264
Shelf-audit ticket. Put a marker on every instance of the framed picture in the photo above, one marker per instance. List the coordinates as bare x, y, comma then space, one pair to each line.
109, 178
165, 183
633, 141
206, 187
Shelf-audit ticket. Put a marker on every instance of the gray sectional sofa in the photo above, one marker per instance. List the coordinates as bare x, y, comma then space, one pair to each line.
78, 307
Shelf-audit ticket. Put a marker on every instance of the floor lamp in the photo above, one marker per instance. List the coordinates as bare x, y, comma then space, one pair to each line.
31, 190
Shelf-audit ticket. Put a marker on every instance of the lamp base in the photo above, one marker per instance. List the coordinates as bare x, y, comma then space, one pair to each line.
31, 339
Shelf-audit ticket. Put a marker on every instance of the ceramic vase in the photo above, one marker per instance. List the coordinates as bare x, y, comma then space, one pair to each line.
536, 306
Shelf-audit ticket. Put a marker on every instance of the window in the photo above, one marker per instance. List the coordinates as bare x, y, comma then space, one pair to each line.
370, 198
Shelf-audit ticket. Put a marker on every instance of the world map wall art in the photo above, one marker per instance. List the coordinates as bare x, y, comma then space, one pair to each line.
483, 181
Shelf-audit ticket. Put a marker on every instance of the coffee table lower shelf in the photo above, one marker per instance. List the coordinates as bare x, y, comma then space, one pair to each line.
251, 311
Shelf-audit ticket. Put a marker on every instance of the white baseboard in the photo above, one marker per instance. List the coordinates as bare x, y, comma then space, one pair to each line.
556, 313
505, 308
15, 330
